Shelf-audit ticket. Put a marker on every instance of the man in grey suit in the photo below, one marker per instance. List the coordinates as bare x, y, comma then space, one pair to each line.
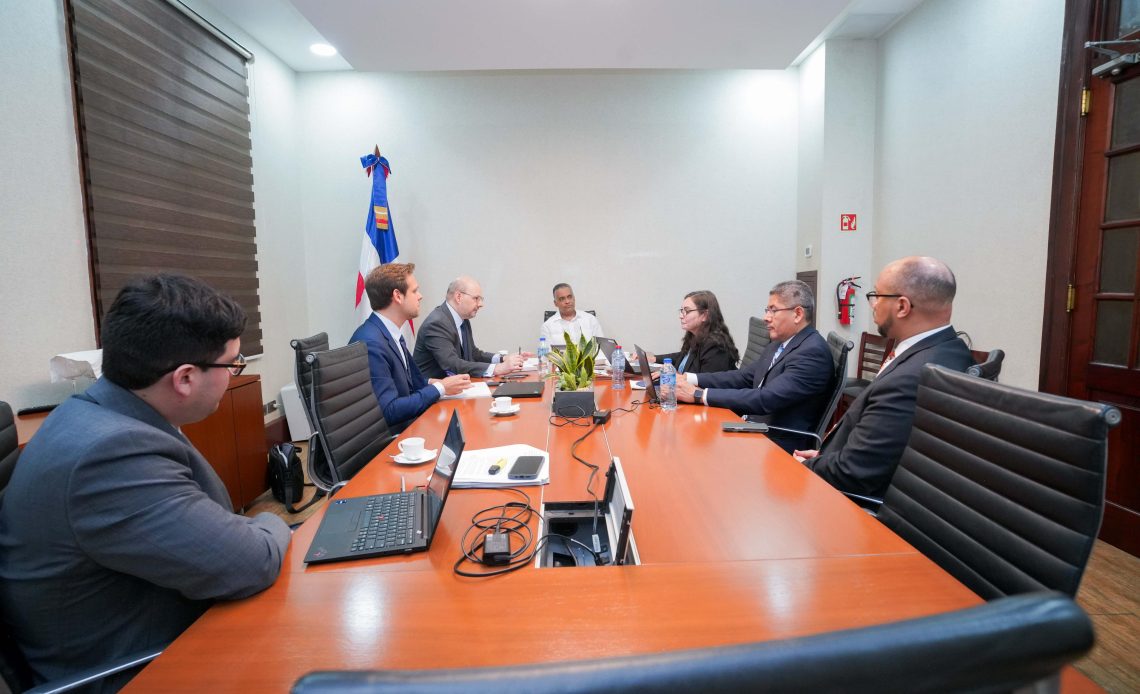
115, 533
911, 302
445, 345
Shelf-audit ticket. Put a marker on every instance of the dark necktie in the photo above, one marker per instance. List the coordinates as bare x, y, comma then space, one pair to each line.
465, 339
407, 359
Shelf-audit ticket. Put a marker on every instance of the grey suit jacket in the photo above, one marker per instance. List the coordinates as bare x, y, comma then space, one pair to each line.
116, 534
864, 451
438, 348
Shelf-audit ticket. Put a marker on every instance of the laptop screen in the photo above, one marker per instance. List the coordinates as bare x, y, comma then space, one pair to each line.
646, 374
439, 484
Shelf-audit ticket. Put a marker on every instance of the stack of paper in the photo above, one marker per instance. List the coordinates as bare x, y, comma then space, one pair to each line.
474, 466
478, 389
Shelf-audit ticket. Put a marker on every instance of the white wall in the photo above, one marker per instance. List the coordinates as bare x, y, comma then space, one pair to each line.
45, 299
634, 187
967, 114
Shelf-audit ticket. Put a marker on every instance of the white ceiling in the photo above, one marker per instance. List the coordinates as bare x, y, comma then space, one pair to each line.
447, 35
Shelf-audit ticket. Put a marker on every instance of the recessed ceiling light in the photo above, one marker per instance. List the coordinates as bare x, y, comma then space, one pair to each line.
323, 49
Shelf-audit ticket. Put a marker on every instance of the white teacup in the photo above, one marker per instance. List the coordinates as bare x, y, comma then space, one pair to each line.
412, 447
503, 403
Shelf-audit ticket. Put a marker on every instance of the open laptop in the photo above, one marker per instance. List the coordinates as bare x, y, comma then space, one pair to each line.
606, 346
383, 524
646, 374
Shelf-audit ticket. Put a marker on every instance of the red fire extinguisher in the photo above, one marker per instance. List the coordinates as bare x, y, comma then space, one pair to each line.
845, 297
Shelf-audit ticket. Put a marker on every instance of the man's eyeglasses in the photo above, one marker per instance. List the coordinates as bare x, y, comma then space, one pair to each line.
686, 311
873, 296
478, 299
235, 368
769, 310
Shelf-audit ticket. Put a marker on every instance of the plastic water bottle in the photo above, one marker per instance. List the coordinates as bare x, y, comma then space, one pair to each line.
667, 390
617, 368
543, 361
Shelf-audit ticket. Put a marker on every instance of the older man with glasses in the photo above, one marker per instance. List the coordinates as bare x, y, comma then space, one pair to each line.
445, 343
911, 302
788, 384
115, 533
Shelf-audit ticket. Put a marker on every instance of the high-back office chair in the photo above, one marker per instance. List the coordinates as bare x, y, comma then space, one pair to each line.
758, 339
1002, 487
840, 348
302, 373
350, 426
989, 367
547, 314
14, 670
998, 646
9, 446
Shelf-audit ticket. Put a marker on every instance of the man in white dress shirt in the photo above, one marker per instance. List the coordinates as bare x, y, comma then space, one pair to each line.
568, 319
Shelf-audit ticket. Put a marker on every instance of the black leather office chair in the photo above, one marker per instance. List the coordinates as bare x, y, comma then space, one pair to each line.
350, 426
999, 646
758, 340
990, 367
302, 373
840, 348
9, 446
1002, 487
547, 314
14, 670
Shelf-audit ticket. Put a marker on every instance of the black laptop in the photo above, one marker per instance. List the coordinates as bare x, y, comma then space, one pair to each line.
646, 374
375, 526
520, 389
607, 345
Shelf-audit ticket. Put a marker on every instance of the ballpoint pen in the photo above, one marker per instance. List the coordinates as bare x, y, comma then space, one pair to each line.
403, 484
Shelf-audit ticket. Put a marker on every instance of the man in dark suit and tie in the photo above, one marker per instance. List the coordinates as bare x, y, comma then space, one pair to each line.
445, 344
115, 533
400, 387
788, 384
911, 302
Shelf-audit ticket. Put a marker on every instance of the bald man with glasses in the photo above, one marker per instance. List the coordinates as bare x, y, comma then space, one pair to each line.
445, 344
911, 303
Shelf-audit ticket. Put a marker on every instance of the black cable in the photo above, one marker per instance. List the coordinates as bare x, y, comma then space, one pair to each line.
516, 524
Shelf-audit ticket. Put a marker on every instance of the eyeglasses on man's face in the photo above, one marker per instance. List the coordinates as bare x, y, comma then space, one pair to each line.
872, 297
477, 297
235, 367
770, 310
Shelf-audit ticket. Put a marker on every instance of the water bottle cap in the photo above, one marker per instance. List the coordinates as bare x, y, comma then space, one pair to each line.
668, 360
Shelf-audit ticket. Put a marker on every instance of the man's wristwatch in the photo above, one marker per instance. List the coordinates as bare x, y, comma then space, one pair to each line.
699, 395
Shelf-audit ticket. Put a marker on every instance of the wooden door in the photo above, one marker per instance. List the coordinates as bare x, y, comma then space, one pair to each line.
1104, 354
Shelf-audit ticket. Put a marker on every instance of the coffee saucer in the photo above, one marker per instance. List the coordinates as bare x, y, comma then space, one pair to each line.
503, 413
424, 457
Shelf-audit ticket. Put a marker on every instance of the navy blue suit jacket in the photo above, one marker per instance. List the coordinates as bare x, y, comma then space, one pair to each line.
403, 394
792, 393
862, 454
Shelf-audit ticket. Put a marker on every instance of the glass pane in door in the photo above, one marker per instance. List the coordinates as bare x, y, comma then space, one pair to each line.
1113, 331
1126, 113
1123, 199
1129, 17
1119, 253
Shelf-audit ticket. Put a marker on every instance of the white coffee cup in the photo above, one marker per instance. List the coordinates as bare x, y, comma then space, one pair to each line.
412, 447
503, 404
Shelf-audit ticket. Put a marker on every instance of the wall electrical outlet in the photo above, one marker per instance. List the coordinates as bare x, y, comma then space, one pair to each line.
807, 251
270, 407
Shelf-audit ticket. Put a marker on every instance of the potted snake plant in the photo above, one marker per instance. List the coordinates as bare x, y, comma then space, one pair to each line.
575, 365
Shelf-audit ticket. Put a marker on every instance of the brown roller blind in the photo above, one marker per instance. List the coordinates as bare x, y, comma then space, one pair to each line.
163, 110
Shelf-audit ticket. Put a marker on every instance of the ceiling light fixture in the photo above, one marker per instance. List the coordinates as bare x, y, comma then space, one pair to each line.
323, 50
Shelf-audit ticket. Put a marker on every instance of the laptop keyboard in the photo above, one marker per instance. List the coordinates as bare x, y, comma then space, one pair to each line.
388, 522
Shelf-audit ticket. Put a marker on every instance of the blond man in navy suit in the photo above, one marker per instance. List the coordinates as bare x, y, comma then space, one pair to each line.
400, 387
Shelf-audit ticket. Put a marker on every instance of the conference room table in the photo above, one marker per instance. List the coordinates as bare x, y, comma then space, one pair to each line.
738, 542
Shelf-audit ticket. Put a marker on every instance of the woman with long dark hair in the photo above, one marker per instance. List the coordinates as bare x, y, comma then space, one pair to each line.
707, 345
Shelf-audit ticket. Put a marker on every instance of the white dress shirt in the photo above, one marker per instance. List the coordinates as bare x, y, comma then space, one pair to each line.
581, 324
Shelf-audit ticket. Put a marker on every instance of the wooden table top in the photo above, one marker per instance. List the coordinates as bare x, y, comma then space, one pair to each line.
738, 543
